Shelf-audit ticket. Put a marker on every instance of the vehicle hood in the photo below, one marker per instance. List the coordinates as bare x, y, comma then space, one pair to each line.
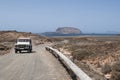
22, 43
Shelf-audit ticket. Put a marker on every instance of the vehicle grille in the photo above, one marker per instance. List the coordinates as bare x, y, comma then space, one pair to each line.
22, 46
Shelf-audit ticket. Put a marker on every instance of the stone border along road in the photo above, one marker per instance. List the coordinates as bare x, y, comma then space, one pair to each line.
39, 65
75, 71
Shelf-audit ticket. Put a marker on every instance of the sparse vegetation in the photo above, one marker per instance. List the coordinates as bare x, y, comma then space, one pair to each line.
116, 66
99, 53
115, 75
81, 54
115, 71
106, 69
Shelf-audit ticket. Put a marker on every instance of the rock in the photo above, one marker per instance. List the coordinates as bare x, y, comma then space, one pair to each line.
68, 30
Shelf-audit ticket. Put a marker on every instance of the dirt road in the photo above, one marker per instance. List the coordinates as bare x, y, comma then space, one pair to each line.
39, 65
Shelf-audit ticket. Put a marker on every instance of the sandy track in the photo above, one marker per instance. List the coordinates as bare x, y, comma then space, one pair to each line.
39, 65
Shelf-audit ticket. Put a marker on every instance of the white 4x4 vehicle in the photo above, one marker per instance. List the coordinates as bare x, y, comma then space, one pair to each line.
23, 44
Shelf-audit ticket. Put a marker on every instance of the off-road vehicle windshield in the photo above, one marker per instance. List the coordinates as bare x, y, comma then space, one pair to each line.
24, 40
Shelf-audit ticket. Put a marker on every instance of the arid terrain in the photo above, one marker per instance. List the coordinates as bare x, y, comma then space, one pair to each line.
37, 65
8, 38
99, 57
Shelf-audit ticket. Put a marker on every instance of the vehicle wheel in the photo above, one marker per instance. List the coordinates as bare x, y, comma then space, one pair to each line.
29, 51
15, 51
19, 51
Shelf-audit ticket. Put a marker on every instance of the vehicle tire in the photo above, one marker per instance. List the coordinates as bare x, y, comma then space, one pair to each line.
15, 51
19, 51
29, 50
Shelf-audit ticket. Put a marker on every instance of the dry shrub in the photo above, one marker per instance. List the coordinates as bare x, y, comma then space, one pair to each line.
73, 47
116, 66
106, 69
115, 75
57, 46
81, 54
116, 71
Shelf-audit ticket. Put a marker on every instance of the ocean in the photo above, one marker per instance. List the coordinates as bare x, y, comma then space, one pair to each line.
53, 35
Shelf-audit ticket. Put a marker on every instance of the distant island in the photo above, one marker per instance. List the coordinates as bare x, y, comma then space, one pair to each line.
68, 30
71, 31
64, 31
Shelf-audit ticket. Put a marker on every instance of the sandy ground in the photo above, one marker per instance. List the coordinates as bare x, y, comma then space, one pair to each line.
38, 65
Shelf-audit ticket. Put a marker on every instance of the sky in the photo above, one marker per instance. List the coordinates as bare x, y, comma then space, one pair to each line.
90, 16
